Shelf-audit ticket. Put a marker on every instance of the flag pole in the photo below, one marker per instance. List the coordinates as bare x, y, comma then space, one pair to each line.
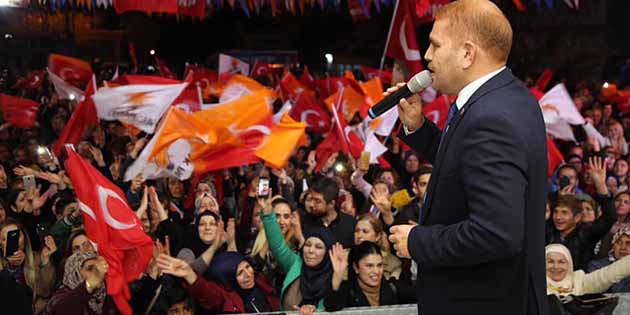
389, 34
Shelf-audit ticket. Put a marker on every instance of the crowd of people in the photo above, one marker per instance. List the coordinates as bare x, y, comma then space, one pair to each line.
317, 242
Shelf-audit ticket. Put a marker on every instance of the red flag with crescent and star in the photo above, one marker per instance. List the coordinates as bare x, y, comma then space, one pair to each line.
112, 226
71, 70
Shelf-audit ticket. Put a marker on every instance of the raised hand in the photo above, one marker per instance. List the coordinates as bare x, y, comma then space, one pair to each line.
23, 171
176, 267
49, 248
338, 258
265, 203
409, 110
597, 169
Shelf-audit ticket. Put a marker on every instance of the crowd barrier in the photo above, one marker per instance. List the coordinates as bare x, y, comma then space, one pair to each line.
623, 308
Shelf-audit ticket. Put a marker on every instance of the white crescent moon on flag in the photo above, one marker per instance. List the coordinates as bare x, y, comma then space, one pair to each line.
434, 116
103, 194
71, 75
304, 115
410, 54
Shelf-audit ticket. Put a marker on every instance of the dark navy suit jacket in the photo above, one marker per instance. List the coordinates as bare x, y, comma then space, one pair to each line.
480, 244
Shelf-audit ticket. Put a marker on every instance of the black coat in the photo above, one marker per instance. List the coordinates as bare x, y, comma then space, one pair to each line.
480, 244
351, 295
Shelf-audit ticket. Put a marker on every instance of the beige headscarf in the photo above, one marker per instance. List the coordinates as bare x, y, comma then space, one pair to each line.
564, 286
72, 279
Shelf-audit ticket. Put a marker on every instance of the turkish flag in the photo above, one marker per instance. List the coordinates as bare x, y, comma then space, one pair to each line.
371, 73
189, 101
424, 10
83, 117
112, 226
403, 44
20, 112
554, 156
134, 58
71, 70
164, 70
148, 6
359, 10
349, 140
260, 68
330, 86
201, 75
196, 8
310, 111
543, 81
33, 81
437, 111
291, 88
307, 79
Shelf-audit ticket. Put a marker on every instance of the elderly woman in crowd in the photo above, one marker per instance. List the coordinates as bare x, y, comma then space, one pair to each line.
83, 291
620, 249
236, 288
562, 280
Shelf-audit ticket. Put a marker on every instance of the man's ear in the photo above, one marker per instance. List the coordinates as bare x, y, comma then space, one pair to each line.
470, 53
577, 218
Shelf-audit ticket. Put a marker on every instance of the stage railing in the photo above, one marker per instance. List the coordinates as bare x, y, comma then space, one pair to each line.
623, 308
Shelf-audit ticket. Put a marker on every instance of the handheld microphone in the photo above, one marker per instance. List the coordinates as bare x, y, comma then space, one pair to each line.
419, 82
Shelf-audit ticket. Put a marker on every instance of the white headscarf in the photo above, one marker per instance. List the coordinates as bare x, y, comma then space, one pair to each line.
564, 286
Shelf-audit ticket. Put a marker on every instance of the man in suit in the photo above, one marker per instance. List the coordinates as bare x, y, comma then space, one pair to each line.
479, 245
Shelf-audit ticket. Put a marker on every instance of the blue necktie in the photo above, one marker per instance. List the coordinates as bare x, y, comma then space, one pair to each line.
451, 114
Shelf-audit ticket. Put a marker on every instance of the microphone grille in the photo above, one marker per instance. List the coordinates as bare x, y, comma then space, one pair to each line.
420, 81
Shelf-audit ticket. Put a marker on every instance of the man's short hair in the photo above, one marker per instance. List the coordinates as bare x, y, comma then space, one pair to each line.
327, 187
567, 165
570, 202
482, 20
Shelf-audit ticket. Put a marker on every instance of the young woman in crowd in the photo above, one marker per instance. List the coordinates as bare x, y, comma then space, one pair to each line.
370, 229
289, 222
25, 266
308, 274
366, 285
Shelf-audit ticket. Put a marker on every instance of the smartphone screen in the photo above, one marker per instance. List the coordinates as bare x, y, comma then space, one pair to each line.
263, 187
13, 238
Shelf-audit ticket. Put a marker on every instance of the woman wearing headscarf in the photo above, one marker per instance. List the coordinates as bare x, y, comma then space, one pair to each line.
562, 280
366, 285
83, 291
236, 288
309, 273
206, 240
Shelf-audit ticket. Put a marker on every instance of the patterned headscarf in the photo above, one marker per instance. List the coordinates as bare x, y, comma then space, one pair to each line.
72, 279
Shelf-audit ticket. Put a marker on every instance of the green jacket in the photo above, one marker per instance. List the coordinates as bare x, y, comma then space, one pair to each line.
288, 260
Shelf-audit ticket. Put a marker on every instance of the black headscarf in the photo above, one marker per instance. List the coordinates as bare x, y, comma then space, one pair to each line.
197, 245
224, 267
315, 281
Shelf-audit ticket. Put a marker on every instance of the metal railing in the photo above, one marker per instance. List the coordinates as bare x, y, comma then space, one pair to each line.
623, 308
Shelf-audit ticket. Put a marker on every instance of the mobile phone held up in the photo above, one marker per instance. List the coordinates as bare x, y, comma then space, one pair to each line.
563, 182
29, 182
263, 187
12, 244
